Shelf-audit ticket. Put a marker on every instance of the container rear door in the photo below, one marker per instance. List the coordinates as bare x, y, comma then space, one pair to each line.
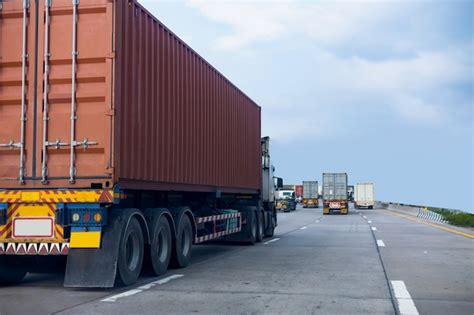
369, 192
361, 192
328, 186
16, 85
310, 189
68, 92
340, 186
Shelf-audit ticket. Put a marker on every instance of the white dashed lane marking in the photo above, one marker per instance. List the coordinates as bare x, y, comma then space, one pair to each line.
272, 240
304, 228
121, 295
131, 292
380, 243
374, 228
406, 306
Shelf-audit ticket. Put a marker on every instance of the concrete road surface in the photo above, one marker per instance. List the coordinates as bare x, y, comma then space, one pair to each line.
368, 262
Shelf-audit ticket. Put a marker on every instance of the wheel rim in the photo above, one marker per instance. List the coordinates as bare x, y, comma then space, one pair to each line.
261, 226
185, 242
162, 246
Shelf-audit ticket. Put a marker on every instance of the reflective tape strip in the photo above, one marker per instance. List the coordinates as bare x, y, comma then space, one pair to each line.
34, 249
209, 237
50, 196
217, 217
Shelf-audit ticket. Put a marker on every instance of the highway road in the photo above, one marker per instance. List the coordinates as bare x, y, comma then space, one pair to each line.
368, 262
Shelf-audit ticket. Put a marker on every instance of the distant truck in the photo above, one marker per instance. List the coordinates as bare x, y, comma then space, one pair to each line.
350, 192
310, 194
335, 193
286, 205
299, 193
364, 196
286, 200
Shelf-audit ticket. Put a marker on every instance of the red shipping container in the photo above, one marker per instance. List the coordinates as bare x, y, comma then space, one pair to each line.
148, 111
298, 191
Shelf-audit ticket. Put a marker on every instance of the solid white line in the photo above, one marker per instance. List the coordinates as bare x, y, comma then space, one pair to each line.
406, 306
271, 241
140, 289
369, 221
380, 243
304, 228
374, 228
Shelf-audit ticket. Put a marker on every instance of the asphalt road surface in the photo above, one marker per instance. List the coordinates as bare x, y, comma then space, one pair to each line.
368, 262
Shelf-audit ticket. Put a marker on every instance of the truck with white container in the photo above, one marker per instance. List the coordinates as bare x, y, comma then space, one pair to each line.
335, 197
364, 196
310, 194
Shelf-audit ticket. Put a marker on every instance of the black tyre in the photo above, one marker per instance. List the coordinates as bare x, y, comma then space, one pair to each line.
130, 258
184, 243
252, 227
271, 228
261, 227
161, 245
10, 271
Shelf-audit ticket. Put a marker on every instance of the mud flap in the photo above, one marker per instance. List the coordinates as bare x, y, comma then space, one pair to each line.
97, 268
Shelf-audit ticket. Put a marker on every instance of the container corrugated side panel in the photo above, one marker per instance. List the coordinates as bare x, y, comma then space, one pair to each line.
181, 124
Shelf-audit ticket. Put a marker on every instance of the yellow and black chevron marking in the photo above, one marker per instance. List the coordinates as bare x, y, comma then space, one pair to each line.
30, 210
55, 196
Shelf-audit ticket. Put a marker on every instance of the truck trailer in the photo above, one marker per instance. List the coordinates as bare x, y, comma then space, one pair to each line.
285, 200
119, 144
364, 196
310, 194
335, 193
299, 193
350, 192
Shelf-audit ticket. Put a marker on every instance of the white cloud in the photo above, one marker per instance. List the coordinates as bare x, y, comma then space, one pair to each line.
409, 86
417, 110
250, 21
257, 21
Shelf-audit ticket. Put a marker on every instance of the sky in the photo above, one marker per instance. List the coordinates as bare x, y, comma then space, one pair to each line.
382, 90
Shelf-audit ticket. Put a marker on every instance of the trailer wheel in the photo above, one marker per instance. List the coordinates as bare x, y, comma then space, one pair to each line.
261, 227
130, 258
11, 272
271, 229
161, 245
184, 243
253, 227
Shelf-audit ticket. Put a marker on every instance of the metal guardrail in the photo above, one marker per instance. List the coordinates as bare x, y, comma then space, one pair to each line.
415, 210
